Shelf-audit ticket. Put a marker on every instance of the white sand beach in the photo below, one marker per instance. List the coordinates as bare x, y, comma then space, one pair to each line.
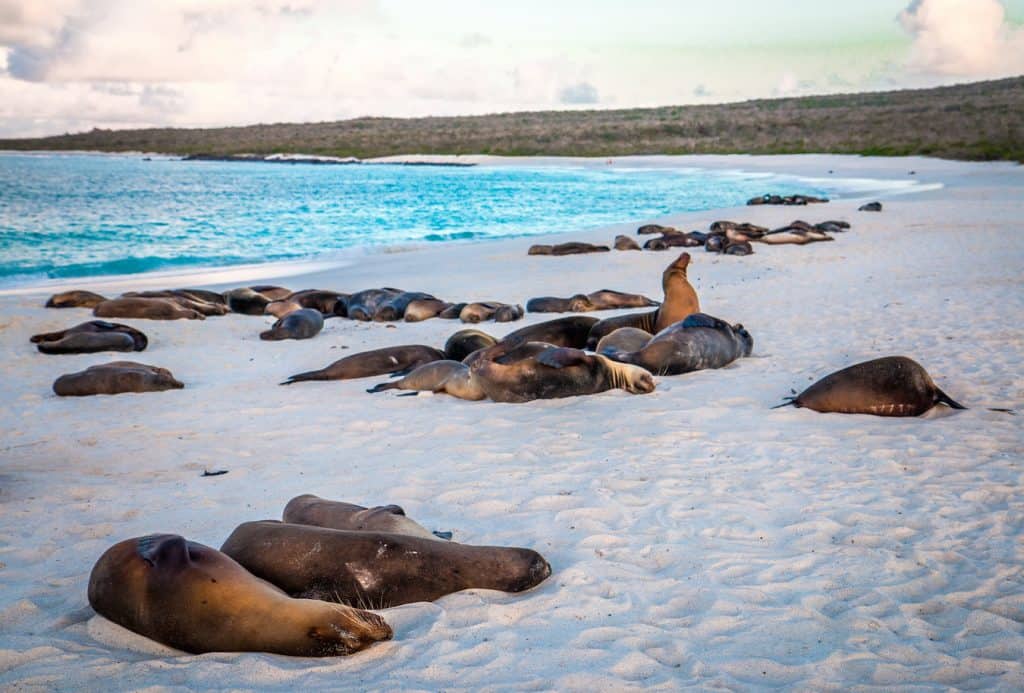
698, 538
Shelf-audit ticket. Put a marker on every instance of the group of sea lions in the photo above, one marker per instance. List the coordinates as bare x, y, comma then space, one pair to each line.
293, 587
769, 199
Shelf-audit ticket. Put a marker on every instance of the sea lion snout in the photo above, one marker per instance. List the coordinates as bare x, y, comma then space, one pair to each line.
537, 571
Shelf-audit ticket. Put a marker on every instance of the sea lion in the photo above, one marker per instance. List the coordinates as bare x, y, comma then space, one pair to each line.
680, 300
573, 248
424, 309
299, 324
75, 299
312, 510
377, 568
870, 207
363, 304
675, 239
889, 386
183, 299
394, 308
626, 243
558, 372
794, 235
317, 299
605, 299
271, 291
738, 248
742, 227
452, 312
624, 339
92, 336
450, 377
832, 226
246, 300
145, 308
397, 359
508, 313
197, 599
785, 200
115, 378
654, 228
715, 243
465, 342
566, 332
487, 310
202, 295
698, 342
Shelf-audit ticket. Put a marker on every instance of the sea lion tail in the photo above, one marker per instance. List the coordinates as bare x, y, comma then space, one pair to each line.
380, 387
790, 403
300, 377
941, 396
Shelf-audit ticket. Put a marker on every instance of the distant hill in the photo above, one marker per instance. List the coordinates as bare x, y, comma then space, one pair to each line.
983, 120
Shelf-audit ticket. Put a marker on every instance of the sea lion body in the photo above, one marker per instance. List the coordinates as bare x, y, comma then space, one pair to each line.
572, 248
626, 243
624, 339
698, 342
605, 299
564, 332
376, 568
184, 299
317, 299
739, 248
394, 308
362, 305
299, 324
487, 310
197, 599
453, 311
146, 308
465, 342
508, 313
870, 207
312, 510
889, 386
558, 372
424, 309
450, 377
75, 299
371, 363
116, 378
247, 301
90, 337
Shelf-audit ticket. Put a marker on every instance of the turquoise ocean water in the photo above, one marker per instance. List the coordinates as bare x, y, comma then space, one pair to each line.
65, 216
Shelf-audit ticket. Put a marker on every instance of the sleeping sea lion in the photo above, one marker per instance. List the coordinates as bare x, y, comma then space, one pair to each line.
508, 313
115, 378
870, 207
299, 324
247, 301
92, 336
75, 299
654, 228
145, 308
452, 312
605, 299
318, 299
680, 300
197, 599
424, 309
183, 299
624, 339
558, 372
889, 386
486, 310
450, 377
394, 308
397, 359
312, 510
565, 332
698, 342
363, 304
573, 248
626, 243
738, 248
377, 568
465, 342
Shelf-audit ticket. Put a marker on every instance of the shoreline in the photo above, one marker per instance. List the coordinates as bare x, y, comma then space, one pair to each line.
807, 168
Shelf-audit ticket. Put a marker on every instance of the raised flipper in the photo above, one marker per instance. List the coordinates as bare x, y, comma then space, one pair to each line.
380, 387
941, 396
790, 403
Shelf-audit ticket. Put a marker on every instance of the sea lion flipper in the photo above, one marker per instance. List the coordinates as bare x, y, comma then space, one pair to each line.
790, 403
380, 387
560, 357
703, 320
941, 396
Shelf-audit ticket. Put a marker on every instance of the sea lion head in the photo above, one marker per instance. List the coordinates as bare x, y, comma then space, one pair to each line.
677, 268
633, 379
745, 338
580, 303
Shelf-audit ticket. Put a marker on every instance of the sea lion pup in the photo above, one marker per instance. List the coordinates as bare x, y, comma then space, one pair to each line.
558, 372
312, 510
377, 568
299, 324
363, 304
698, 342
465, 342
626, 243
450, 377
624, 339
146, 308
396, 359
424, 309
870, 207
197, 599
317, 299
394, 308
573, 248
75, 299
680, 300
889, 386
246, 300
115, 378
92, 336
184, 300
605, 299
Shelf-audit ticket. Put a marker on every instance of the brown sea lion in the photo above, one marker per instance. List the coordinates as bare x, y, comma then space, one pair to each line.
197, 599
742, 227
566, 332
676, 239
246, 300
394, 308
698, 342
680, 300
271, 291
146, 308
487, 310
317, 299
450, 377
299, 324
889, 386
362, 305
465, 342
558, 372
508, 313
605, 299
183, 299
870, 207
715, 243
379, 569
92, 336
624, 339
738, 248
793, 236
626, 243
312, 510
75, 299
397, 359
115, 378
452, 312
573, 248
424, 309
654, 228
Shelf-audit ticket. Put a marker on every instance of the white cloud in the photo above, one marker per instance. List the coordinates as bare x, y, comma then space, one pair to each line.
578, 93
963, 38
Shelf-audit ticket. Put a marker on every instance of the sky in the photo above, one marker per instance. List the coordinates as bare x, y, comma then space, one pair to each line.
72, 65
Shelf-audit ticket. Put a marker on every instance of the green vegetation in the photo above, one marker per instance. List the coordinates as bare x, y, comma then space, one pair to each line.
982, 121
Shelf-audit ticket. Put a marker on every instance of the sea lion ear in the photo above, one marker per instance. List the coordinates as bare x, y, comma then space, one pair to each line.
560, 357
391, 509
703, 320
